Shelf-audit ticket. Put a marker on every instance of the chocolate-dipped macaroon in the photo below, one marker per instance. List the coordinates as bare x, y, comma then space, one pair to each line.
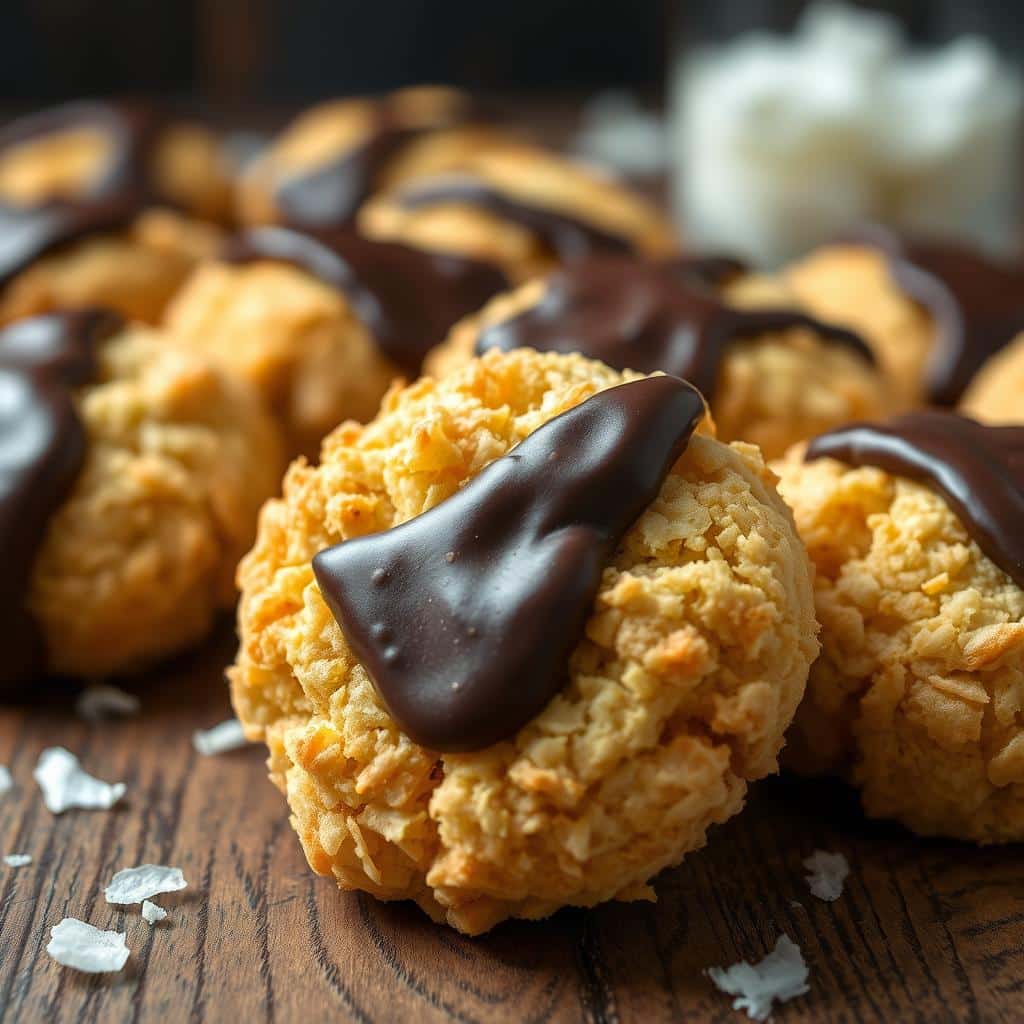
133, 473
520, 640
772, 376
322, 322
914, 529
933, 311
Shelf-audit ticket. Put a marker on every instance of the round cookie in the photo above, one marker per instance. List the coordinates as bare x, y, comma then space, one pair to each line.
917, 695
134, 472
932, 311
321, 324
679, 678
96, 209
996, 394
771, 376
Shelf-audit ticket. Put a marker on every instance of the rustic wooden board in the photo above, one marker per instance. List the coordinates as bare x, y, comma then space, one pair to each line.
926, 931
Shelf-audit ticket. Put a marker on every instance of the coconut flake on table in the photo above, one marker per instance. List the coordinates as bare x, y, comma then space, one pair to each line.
781, 975
65, 784
135, 885
76, 944
17, 860
151, 913
826, 873
229, 735
96, 703
6, 782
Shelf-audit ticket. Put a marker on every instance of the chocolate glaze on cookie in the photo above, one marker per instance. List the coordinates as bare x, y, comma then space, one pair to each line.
465, 617
569, 238
978, 469
644, 316
329, 196
976, 303
42, 448
117, 195
408, 298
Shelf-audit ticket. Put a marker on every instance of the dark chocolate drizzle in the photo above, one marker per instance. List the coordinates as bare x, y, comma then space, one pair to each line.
408, 298
976, 303
465, 617
330, 195
118, 194
42, 448
568, 238
978, 469
646, 316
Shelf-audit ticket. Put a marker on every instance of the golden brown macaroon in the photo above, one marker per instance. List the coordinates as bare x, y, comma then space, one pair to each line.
918, 693
996, 394
773, 390
691, 665
140, 557
125, 231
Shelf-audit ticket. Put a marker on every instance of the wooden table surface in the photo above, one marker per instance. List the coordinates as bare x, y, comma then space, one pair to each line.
925, 931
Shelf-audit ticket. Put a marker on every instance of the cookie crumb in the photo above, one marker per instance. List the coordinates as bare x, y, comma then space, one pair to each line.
17, 860
826, 874
76, 944
781, 975
134, 885
226, 736
96, 703
151, 913
64, 783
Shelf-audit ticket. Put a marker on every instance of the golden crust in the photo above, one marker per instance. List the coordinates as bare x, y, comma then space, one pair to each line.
851, 285
291, 336
772, 391
917, 694
996, 394
691, 666
140, 558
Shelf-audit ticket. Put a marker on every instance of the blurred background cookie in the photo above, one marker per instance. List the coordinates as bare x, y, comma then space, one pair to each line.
134, 474
100, 205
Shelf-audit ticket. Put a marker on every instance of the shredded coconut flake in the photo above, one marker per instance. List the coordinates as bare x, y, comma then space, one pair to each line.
64, 783
17, 860
151, 913
781, 975
134, 885
96, 703
826, 873
220, 739
6, 782
76, 944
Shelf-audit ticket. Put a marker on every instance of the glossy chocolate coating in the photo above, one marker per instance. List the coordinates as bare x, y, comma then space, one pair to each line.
569, 238
976, 303
42, 448
408, 298
644, 316
109, 203
465, 617
978, 469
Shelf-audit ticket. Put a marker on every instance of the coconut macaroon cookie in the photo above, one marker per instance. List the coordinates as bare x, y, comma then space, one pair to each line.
933, 311
99, 205
133, 474
322, 322
996, 394
772, 376
519, 641
914, 529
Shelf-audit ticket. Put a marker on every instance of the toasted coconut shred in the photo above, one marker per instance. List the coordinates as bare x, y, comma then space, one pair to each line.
780, 976
220, 739
826, 873
137, 885
76, 944
17, 860
151, 913
96, 703
65, 784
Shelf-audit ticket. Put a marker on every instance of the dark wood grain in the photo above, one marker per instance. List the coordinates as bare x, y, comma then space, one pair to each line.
925, 931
